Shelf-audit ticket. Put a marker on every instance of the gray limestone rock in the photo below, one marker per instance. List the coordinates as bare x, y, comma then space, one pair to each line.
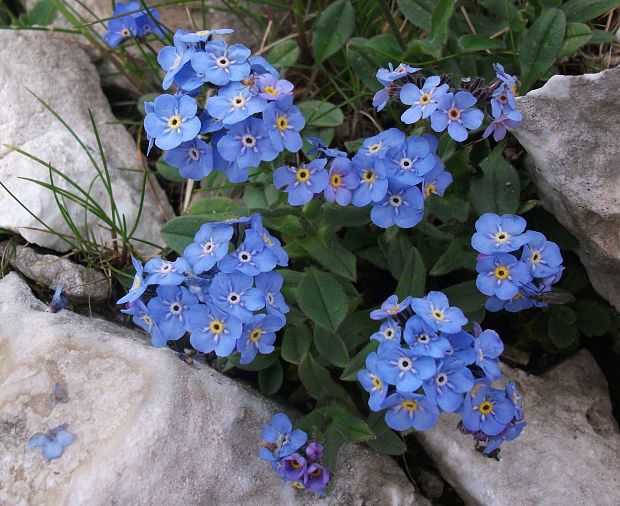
571, 131
64, 78
149, 428
567, 455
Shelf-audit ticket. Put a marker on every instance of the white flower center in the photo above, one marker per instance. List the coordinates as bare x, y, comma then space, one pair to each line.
176, 308
244, 257
194, 154
423, 338
441, 379
396, 200
222, 62
233, 298
270, 299
208, 247
405, 364
248, 141
406, 164
502, 237
238, 101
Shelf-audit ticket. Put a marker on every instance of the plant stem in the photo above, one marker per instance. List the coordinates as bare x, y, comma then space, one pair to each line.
392, 23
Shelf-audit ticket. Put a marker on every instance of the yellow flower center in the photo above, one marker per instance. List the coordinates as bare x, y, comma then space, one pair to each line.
335, 180
282, 123
425, 98
377, 382
535, 257
501, 272
438, 314
430, 188
174, 122
394, 309
136, 283
270, 90
316, 472
502, 237
409, 405
298, 485
302, 174
125, 32
202, 33
216, 326
295, 464
485, 407
369, 176
267, 240
374, 148
148, 320
255, 334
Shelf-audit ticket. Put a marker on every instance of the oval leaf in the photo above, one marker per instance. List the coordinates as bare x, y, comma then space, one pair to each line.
322, 299
330, 346
333, 29
321, 114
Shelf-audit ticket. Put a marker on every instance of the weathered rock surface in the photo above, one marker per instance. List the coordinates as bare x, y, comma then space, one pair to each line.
82, 284
571, 131
64, 78
567, 455
150, 429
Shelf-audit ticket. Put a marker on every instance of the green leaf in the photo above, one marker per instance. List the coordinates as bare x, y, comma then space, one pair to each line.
459, 254
413, 276
295, 343
356, 329
43, 13
541, 46
386, 441
448, 207
351, 427
333, 29
330, 346
349, 216
433, 45
216, 206
562, 334
593, 319
398, 252
258, 364
180, 231
577, 35
332, 256
149, 97
472, 43
284, 54
601, 37
318, 382
322, 298
417, 12
497, 190
270, 379
168, 172
358, 362
321, 114
582, 11
466, 296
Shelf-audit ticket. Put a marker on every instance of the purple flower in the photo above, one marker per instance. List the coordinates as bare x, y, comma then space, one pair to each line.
220, 64
389, 331
173, 121
234, 294
194, 159
142, 317
503, 118
213, 330
164, 272
371, 381
293, 467
423, 101
210, 245
343, 179
487, 409
258, 336
234, 103
410, 411
303, 182
435, 311
246, 144
436, 181
407, 164
169, 310
59, 301
456, 112
449, 385
501, 274
423, 340
402, 206
488, 346
390, 307
543, 257
137, 287
314, 451
402, 368
283, 121
499, 234
316, 478
271, 88
387, 77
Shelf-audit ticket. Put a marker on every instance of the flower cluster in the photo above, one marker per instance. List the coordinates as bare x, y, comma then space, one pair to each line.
223, 290
230, 110
131, 20
281, 447
390, 172
514, 284
426, 363
450, 109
